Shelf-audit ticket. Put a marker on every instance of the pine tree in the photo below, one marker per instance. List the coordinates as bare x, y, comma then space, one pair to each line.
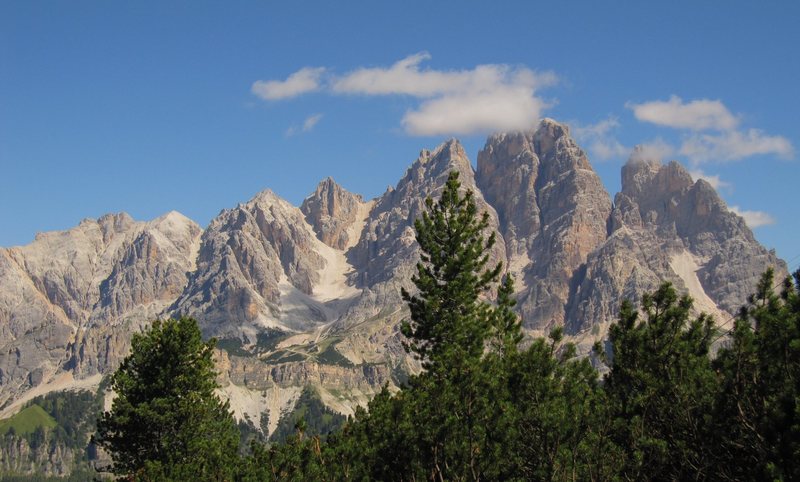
456, 417
449, 324
166, 422
758, 409
661, 388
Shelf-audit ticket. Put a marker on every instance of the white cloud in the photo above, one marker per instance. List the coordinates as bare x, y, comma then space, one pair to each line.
486, 98
697, 115
504, 109
655, 150
301, 82
735, 145
605, 149
753, 219
311, 121
307, 126
726, 143
600, 129
714, 180
599, 140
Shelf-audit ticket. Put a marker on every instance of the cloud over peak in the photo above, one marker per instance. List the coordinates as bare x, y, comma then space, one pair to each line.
735, 145
753, 219
486, 98
697, 115
712, 132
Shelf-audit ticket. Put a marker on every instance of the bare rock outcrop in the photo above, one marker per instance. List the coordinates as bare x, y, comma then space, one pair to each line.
253, 260
311, 295
333, 212
553, 212
665, 226
62, 296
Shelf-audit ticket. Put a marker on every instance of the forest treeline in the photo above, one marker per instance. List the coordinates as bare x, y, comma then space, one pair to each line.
488, 406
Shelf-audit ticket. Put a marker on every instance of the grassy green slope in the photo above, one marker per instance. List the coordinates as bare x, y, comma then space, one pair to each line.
27, 421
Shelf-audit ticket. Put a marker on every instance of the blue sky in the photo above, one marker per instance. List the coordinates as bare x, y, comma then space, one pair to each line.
146, 107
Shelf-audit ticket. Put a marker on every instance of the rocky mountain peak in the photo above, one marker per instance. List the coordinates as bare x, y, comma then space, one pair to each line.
642, 177
387, 248
548, 133
553, 212
332, 211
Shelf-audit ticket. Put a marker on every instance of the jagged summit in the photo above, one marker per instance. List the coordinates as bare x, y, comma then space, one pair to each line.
332, 211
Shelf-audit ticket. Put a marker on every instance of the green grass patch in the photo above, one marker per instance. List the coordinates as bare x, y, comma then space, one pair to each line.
233, 346
331, 356
268, 340
27, 421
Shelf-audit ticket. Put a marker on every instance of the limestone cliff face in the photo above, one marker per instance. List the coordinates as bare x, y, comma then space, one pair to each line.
18, 457
334, 213
387, 249
665, 226
385, 257
251, 259
553, 212
62, 296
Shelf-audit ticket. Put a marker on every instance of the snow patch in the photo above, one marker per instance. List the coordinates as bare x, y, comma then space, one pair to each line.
685, 266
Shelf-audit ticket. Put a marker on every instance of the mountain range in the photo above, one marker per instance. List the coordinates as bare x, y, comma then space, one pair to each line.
310, 295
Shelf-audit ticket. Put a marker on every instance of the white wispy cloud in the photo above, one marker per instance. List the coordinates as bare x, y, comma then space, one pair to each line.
714, 180
307, 126
712, 132
600, 141
654, 150
697, 115
735, 145
311, 121
486, 98
301, 82
753, 219
598, 129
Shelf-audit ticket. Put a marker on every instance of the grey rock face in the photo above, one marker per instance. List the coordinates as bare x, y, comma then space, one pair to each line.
553, 212
62, 295
668, 227
387, 249
332, 211
250, 256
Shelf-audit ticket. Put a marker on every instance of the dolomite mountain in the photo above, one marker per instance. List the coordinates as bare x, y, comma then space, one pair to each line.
310, 295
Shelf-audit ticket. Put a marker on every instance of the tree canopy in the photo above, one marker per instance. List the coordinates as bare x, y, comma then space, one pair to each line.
166, 422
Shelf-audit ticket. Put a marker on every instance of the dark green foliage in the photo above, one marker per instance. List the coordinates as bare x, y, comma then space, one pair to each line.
661, 388
316, 417
758, 407
559, 428
331, 356
166, 422
74, 413
449, 325
233, 346
268, 340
